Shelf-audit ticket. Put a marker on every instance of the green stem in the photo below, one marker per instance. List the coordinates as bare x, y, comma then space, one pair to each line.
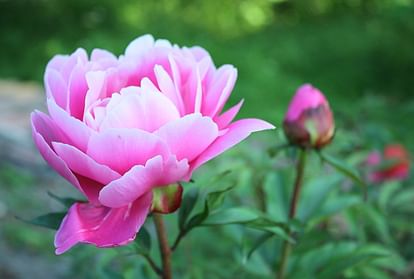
286, 248
164, 246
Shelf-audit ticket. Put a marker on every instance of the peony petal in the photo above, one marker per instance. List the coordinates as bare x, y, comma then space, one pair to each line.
237, 132
82, 164
219, 90
146, 110
44, 132
56, 87
139, 46
141, 179
77, 91
73, 128
101, 226
121, 149
187, 137
227, 117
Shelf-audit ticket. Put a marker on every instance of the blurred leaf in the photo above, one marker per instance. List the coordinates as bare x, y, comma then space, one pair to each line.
50, 220
187, 205
344, 169
257, 243
249, 218
67, 202
339, 264
386, 194
143, 241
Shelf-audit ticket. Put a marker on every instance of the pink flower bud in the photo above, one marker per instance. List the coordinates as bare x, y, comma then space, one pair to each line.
309, 121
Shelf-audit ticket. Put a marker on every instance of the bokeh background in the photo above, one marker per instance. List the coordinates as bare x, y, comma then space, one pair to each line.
358, 52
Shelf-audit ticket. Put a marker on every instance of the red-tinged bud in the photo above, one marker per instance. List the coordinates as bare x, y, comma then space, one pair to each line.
394, 164
309, 120
166, 199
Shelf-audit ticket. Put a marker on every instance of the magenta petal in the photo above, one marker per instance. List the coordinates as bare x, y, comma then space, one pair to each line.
121, 149
237, 132
77, 91
76, 130
101, 226
141, 179
187, 137
45, 131
84, 165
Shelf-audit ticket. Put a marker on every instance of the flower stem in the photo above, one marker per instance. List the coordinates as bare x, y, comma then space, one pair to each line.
286, 248
164, 246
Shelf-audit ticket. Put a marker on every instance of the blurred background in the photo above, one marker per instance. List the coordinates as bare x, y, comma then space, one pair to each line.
358, 52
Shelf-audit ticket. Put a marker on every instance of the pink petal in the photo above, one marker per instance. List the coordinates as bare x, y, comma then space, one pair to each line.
56, 87
44, 132
73, 128
134, 108
187, 137
237, 132
121, 149
227, 117
167, 87
84, 165
219, 90
101, 226
141, 179
77, 91
139, 46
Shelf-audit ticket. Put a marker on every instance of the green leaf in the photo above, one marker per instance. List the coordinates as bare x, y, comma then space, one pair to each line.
143, 241
257, 243
187, 206
339, 264
249, 218
344, 169
67, 202
50, 221
213, 201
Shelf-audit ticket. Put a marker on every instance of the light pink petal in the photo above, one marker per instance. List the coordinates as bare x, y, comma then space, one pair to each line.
82, 164
141, 179
78, 57
227, 117
167, 86
57, 62
139, 46
189, 136
134, 108
56, 87
104, 58
121, 149
44, 132
102, 226
219, 90
96, 81
237, 132
73, 128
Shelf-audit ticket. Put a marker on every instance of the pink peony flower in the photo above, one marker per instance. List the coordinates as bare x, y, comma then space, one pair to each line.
394, 164
119, 127
309, 121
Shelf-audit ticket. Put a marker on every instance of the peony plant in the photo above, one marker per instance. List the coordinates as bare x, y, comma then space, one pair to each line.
125, 131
